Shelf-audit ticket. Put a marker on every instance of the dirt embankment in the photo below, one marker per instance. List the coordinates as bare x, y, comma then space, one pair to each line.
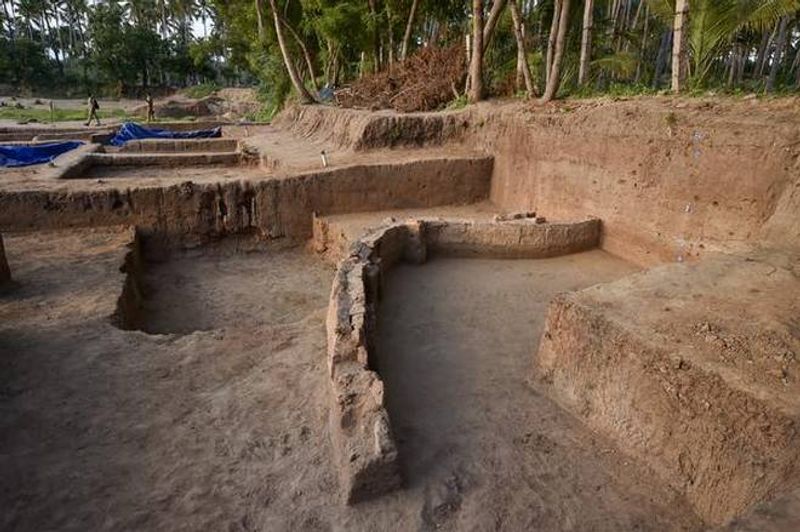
670, 178
272, 208
365, 130
5, 271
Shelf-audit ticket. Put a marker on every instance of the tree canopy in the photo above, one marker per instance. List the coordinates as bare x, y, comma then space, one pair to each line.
554, 46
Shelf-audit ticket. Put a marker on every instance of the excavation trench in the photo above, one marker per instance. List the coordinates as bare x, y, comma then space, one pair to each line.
246, 385
454, 343
235, 282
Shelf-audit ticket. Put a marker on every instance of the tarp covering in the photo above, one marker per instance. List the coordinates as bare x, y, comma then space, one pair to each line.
13, 155
132, 131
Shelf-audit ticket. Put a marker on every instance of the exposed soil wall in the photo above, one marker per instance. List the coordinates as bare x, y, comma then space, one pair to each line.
363, 130
511, 240
166, 160
671, 179
180, 145
5, 271
691, 369
273, 208
129, 313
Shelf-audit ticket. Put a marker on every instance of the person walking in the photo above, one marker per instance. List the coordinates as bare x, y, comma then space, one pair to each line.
93, 106
151, 114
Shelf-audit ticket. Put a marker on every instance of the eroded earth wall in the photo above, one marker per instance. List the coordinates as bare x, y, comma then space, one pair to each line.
5, 272
274, 208
671, 180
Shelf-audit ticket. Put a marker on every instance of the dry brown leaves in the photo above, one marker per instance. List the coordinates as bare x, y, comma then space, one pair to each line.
424, 82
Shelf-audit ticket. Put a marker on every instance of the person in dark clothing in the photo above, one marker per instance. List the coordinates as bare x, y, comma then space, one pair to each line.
92, 106
151, 114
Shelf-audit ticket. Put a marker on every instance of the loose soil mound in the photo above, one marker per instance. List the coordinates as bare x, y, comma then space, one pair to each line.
231, 104
423, 82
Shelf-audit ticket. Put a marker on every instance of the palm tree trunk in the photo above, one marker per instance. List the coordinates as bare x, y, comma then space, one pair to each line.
306, 54
662, 58
302, 92
758, 68
259, 20
390, 55
551, 40
797, 71
522, 57
376, 46
491, 22
679, 58
643, 47
476, 64
59, 37
409, 27
586, 41
732, 65
554, 79
780, 44
468, 54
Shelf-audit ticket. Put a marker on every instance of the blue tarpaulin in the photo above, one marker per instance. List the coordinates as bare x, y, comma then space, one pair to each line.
13, 155
132, 131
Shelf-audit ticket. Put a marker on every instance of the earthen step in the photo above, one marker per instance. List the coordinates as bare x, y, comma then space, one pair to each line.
694, 369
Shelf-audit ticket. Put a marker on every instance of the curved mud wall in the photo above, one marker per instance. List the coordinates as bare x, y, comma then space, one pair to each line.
365, 451
523, 239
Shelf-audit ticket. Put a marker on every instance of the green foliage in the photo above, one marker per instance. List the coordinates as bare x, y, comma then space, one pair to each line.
117, 47
202, 90
617, 65
122, 46
713, 25
458, 103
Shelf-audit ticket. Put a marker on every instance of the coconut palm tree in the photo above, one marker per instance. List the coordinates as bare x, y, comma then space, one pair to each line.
291, 69
713, 24
476, 61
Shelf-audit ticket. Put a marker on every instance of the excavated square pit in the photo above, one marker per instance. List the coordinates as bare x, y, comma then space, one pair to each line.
223, 415
215, 289
189, 172
454, 345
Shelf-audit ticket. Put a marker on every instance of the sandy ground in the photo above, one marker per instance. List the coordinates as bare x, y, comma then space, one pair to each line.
222, 422
115, 430
484, 449
154, 176
196, 292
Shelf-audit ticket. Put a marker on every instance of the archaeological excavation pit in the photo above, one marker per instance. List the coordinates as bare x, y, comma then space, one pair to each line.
439, 333
214, 289
221, 158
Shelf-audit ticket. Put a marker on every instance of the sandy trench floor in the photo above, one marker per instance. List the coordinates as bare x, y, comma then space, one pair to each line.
221, 423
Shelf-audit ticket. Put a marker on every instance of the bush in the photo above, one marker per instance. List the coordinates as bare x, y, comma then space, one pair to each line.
202, 90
